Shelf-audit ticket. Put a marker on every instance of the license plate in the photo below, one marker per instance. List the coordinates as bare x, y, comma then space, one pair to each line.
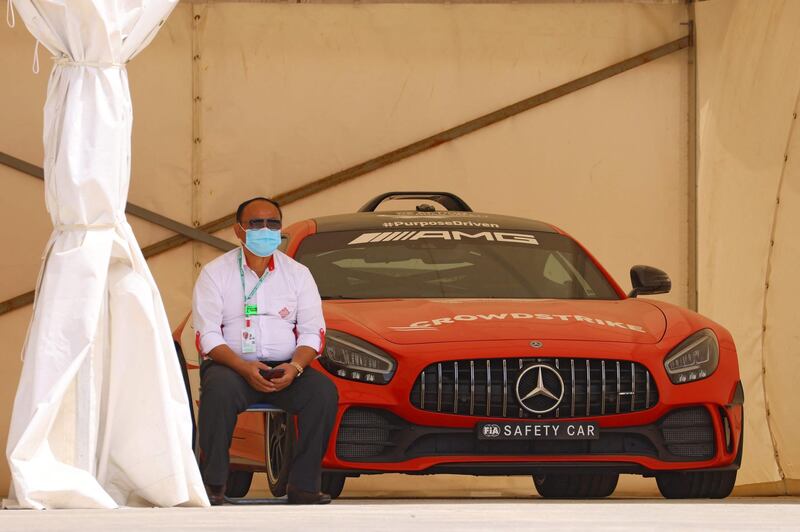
538, 431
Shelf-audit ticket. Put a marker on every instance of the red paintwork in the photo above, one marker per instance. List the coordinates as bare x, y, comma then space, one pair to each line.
664, 326
503, 320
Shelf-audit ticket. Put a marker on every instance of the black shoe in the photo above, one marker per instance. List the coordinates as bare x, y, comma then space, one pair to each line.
216, 494
296, 496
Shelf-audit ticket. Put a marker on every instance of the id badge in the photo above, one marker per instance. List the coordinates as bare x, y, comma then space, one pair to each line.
248, 338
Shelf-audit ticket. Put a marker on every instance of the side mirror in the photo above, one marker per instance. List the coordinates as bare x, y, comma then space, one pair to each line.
648, 280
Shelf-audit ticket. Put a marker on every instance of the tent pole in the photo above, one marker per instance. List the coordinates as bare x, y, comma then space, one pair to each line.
691, 128
140, 212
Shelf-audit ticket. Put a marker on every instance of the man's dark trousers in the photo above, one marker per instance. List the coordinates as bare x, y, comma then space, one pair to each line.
224, 394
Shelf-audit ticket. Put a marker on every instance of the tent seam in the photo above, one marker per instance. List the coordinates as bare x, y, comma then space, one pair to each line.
767, 278
198, 14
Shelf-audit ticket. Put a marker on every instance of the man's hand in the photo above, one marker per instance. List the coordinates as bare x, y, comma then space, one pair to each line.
288, 377
250, 371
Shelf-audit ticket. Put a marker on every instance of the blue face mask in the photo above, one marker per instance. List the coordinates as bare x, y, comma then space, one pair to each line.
262, 242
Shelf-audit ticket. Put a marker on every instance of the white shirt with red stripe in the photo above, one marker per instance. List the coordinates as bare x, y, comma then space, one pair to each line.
289, 307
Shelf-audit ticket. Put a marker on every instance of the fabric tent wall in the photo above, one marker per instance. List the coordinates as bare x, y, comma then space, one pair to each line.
290, 93
319, 88
749, 197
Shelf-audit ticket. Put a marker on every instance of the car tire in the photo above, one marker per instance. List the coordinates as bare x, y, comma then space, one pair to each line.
696, 485
333, 484
188, 386
238, 483
575, 485
279, 435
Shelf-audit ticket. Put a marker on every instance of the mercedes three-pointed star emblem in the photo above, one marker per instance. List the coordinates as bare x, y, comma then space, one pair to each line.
545, 394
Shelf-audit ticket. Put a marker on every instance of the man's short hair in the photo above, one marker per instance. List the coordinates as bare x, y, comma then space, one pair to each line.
241, 208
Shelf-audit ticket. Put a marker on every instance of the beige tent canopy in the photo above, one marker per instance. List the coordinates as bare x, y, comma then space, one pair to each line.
683, 161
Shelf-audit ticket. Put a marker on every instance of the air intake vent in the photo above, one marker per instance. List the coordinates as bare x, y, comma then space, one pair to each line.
365, 434
688, 433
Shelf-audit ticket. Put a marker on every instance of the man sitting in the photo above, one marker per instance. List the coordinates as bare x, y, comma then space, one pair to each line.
255, 308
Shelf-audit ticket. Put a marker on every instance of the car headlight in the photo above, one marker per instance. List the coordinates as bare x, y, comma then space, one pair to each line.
352, 358
694, 359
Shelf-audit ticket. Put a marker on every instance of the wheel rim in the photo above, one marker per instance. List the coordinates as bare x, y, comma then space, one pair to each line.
276, 425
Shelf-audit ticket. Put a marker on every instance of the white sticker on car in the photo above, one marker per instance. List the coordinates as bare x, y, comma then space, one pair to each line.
440, 223
492, 236
432, 325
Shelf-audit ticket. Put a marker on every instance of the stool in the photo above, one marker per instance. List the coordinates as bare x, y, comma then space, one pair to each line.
264, 408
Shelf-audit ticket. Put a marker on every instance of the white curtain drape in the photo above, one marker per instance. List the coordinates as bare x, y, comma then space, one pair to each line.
101, 416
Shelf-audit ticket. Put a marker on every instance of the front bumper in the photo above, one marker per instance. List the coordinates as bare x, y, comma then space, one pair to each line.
413, 440
375, 440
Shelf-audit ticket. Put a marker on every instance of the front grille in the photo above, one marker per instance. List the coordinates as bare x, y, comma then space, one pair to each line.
455, 444
689, 433
486, 387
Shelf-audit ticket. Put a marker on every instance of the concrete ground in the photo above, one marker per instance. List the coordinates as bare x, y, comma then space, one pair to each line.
782, 513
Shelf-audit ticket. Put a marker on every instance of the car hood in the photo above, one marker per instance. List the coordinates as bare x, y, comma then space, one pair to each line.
415, 321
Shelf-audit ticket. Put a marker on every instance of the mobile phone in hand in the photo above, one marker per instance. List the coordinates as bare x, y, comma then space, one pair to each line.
274, 373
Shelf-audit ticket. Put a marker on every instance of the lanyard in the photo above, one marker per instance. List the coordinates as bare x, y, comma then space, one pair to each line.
249, 309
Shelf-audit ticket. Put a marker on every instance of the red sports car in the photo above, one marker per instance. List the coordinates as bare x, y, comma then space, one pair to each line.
481, 344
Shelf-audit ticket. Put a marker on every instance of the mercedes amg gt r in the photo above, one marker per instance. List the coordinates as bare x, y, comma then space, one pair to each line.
481, 344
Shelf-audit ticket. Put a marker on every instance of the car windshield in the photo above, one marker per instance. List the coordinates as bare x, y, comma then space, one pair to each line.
451, 264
